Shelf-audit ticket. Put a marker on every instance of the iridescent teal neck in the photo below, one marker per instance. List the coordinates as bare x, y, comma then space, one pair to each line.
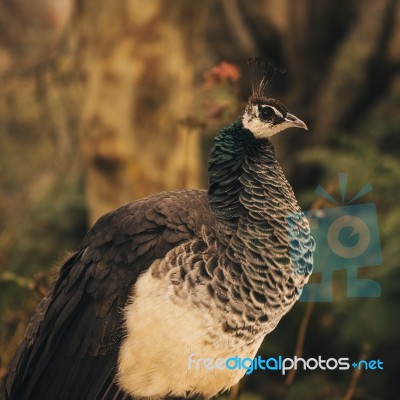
244, 170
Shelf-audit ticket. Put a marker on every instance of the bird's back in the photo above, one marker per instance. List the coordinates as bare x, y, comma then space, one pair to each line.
75, 334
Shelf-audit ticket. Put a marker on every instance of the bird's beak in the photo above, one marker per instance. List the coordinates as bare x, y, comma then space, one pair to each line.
292, 120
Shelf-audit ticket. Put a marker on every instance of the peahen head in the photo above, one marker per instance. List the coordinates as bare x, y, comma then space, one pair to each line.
265, 116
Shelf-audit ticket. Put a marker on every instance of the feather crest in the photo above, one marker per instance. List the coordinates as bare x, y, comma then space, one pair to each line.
262, 73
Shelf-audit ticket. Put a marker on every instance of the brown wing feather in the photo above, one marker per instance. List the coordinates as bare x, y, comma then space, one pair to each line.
71, 345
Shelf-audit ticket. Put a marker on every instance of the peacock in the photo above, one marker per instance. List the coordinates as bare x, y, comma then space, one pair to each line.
179, 274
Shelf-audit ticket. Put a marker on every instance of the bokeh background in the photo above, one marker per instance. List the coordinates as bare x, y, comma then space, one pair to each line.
102, 102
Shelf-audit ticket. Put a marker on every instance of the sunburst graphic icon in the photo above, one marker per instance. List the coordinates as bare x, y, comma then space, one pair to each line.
343, 186
347, 238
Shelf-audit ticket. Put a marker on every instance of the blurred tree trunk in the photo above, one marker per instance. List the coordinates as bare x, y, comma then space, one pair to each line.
358, 69
35, 120
137, 90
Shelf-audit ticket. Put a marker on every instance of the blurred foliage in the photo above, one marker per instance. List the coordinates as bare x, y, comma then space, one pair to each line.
343, 77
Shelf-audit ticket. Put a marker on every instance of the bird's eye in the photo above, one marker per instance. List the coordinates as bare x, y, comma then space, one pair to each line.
266, 113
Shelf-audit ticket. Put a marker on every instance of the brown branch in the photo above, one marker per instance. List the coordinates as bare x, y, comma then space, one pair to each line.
357, 373
240, 30
237, 390
301, 339
318, 204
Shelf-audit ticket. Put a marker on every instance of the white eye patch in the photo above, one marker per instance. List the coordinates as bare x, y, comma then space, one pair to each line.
276, 111
261, 129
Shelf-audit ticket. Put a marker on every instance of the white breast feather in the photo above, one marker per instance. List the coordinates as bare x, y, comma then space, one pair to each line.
161, 334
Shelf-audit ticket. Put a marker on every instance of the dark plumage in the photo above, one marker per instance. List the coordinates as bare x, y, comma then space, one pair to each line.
231, 262
77, 328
